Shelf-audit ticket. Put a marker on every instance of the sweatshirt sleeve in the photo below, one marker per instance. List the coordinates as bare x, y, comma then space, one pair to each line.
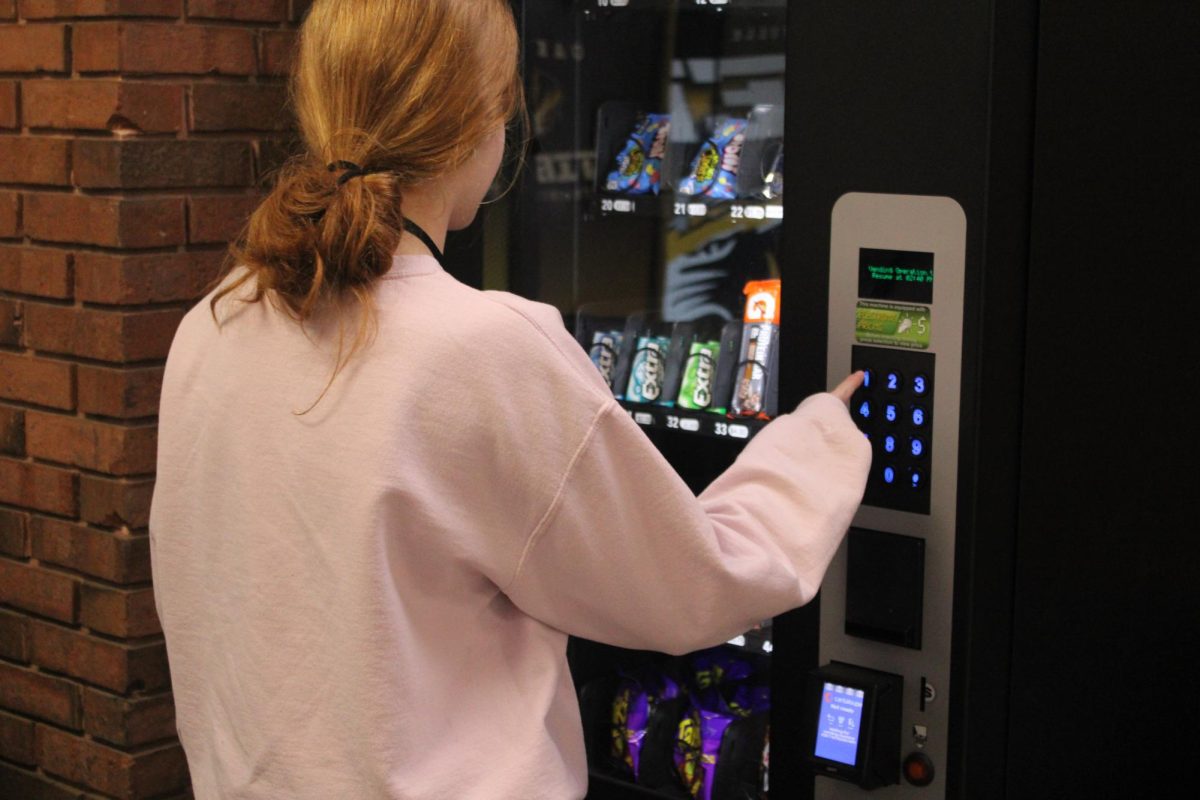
629, 556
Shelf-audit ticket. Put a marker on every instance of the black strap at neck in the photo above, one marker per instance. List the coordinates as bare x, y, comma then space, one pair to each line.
417, 231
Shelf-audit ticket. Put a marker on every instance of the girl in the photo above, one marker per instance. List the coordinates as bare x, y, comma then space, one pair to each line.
385, 499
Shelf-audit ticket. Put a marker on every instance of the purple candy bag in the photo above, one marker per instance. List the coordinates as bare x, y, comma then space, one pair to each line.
747, 700
715, 667
688, 748
642, 699
712, 730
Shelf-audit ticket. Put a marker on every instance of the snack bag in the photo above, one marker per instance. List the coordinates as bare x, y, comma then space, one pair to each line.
712, 728
688, 746
639, 164
700, 373
649, 369
605, 346
760, 335
715, 168
619, 721
716, 667
639, 715
634, 701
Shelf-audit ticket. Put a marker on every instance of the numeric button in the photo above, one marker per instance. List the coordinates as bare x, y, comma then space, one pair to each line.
917, 416
916, 447
893, 381
864, 411
920, 385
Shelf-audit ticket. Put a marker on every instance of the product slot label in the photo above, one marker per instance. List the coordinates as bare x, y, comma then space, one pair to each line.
892, 324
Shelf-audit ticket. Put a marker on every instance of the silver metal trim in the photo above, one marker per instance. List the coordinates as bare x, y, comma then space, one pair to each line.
923, 224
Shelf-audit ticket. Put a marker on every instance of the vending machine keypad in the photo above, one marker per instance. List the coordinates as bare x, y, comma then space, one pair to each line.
894, 408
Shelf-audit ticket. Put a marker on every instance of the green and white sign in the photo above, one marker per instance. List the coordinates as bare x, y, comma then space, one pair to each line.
892, 324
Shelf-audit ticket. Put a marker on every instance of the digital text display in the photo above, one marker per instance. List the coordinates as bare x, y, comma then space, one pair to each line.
838, 724
895, 275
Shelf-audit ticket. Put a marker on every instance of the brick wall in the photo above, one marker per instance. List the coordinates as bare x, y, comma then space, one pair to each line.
133, 135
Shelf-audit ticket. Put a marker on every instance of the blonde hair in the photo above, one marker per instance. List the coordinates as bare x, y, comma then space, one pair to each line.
405, 89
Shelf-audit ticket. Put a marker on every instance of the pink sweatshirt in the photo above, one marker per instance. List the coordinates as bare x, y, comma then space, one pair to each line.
373, 600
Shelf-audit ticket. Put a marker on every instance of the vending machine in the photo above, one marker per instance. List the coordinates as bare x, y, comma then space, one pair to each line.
735, 203
651, 214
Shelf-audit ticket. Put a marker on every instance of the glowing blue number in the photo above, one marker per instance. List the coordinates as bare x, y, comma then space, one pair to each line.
867, 379
889, 444
864, 410
916, 479
893, 381
919, 385
890, 413
889, 475
917, 447
918, 417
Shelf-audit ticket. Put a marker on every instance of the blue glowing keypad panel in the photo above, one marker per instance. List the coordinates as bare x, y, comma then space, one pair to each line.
894, 408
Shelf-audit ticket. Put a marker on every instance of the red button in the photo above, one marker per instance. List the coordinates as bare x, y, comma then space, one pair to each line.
918, 769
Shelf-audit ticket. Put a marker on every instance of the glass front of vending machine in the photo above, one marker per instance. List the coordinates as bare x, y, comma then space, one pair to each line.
650, 214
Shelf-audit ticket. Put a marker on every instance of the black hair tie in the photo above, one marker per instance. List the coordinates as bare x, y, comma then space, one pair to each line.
352, 170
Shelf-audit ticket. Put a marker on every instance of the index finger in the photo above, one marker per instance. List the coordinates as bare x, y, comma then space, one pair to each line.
846, 389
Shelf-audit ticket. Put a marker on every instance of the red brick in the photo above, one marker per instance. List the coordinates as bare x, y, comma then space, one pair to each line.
128, 721
32, 588
121, 667
38, 487
12, 430
104, 335
51, 9
10, 214
122, 393
16, 739
100, 446
240, 107
18, 783
110, 771
120, 279
119, 557
14, 535
219, 218
278, 50
124, 613
39, 271
8, 9
153, 48
41, 381
115, 502
121, 106
33, 48
14, 636
244, 10
35, 159
8, 105
105, 221
159, 163
11, 321
35, 694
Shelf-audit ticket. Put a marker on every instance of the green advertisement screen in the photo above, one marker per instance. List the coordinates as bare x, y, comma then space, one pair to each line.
895, 275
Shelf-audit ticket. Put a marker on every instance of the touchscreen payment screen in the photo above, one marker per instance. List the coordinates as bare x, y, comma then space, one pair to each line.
838, 723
